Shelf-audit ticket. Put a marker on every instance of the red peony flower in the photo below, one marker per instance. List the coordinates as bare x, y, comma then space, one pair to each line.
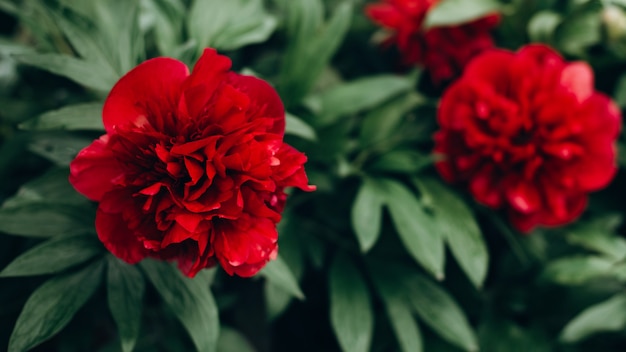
528, 133
192, 167
443, 51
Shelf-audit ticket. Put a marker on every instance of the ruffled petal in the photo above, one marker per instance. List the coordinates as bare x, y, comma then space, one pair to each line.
121, 241
147, 94
245, 245
577, 77
207, 76
385, 15
289, 171
94, 170
264, 100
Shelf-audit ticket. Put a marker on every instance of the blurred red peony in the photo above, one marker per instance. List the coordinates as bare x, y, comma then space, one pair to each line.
192, 167
443, 51
528, 133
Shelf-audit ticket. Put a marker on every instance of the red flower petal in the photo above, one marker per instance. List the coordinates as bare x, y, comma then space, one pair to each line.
116, 236
264, 100
529, 127
444, 51
386, 15
147, 94
578, 78
193, 167
95, 169
245, 245
206, 77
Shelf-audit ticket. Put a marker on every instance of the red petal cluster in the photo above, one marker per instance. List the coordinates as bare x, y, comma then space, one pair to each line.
192, 167
443, 51
528, 133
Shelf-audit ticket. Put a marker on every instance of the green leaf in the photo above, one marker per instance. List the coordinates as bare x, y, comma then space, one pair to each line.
10, 47
54, 256
439, 311
351, 313
455, 12
125, 289
399, 311
402, 161
169, 16
599, 235
277, 300
620, 98
500, 334
302, 19
278, 273
118, 24
418, 231
79, 71
457, 223
380, 123
359, 95
35, 17
311, 46
189, 299
60, 148
295, 126
74, 117
52, 306
85, 42
577, 270
579, 30
43, 220
367, 212
52, 188
404, 326
609, 315
542, 26
231, 340
229, 25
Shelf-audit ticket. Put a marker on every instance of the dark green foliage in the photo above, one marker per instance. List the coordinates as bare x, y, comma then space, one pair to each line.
384, 256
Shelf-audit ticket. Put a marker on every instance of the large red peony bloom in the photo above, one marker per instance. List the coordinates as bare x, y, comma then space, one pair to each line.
443, 51
192, 167
528, 133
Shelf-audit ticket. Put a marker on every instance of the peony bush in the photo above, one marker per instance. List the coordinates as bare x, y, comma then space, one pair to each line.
312, 175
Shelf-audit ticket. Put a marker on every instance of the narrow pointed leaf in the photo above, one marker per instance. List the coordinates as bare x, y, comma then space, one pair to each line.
599, 235
359, 95
229, 25
439, 310
189, 299
50, 221
297, 127
602, 317
351, 313
455, 12
379, 124
125, 289
74, 117
367, 212
54, 256
51, 307
312, 45
577, 270
79, 71
417, 229
52, 188
399, 311
277, 272
86, 43
232, 340
457, 223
